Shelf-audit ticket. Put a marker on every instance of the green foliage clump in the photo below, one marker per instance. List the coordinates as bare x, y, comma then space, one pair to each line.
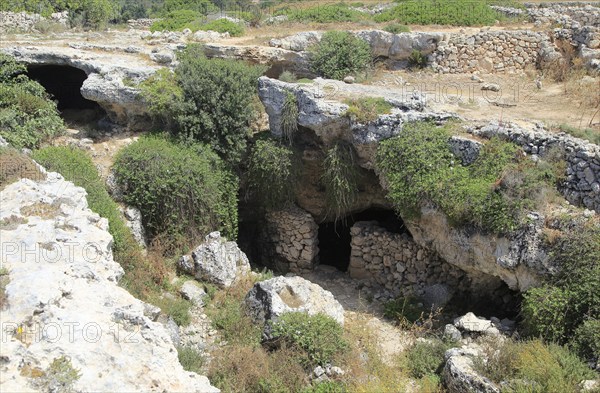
558, 309
340, 178
272, 174
76, 166
326, 387
60, 376
175, 307
211, 101
289, 117
175, 20
191, 359
288, 76
586, 340
364, 110
493, 193
431, 12
417, 59
533, 366
221, 25
405, 310
185, 192
319, 336
340, 54
589, 134
426, 357
396, 28
327, 13
28, 117
200, 6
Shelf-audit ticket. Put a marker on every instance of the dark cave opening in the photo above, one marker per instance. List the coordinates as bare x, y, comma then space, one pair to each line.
335, 237
63, 83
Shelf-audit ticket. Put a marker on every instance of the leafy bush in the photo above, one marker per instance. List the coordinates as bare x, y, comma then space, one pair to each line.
404, 310
141, 276
210, 101
340, 178
431, 12
191, 359
493, 193
326, 387
340, 54
319, 336
426, 357
175, 20
327, 13
82, 13
533, 366
184, 191
201, 6
289, 118
175, 307
559, 308
364, 110
289, 77
586, 340
396, 28
28, 117
417, 59
219, 25
272, 175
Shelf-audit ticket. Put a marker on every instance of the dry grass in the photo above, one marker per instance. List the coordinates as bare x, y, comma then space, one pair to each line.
11, 222
15, 166
40, 209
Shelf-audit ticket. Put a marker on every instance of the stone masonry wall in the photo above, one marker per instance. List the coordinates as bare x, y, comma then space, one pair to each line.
565, 13
397, 263
23, 21
291, 240
491, 51
582, 184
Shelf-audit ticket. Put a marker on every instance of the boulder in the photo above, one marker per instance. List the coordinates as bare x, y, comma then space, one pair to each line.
452, 333
460, 376
218, 261
471, 323
133, 220
270, 299
191, 291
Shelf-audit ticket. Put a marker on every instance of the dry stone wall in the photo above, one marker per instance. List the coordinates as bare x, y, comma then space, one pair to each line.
290, 240
24, 21
492, 51
396, 262
565, 13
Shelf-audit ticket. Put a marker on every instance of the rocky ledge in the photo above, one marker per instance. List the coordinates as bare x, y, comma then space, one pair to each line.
64, 302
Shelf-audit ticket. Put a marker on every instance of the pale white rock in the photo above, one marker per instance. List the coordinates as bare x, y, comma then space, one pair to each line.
460, 375
270, 299
471, 323
191, 291
63, 294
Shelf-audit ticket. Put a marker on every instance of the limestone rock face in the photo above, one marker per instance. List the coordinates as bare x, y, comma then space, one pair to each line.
270, 299
63, 299
219, 261
461, 377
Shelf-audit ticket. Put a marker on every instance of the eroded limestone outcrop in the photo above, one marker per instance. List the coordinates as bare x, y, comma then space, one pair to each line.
64, 301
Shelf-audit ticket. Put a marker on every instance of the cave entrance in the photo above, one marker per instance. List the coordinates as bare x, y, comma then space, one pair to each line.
335, 237
63, 83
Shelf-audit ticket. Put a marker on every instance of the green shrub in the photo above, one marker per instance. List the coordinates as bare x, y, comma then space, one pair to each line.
289, 77
326, 387
533, 366
544, 311
214, 108
404, 310
426, 357
588, 134
201, 6
162, 93
272, 174
28, 117
417, 59
175, 20
431, 12
175, 307
59, 376
184, 191
327, 13
396, 28
319, 336
340, 178
219, 25
586, 340
191, 359
289, 118
340, 54
493, 193
364, 110
76, 166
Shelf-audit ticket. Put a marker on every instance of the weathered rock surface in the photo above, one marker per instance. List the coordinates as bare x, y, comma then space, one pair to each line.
270, 299
133, 220
217, 261
472, 324
460, 375
63, 300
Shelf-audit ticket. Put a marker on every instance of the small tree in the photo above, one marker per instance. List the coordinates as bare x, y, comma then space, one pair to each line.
340, 54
